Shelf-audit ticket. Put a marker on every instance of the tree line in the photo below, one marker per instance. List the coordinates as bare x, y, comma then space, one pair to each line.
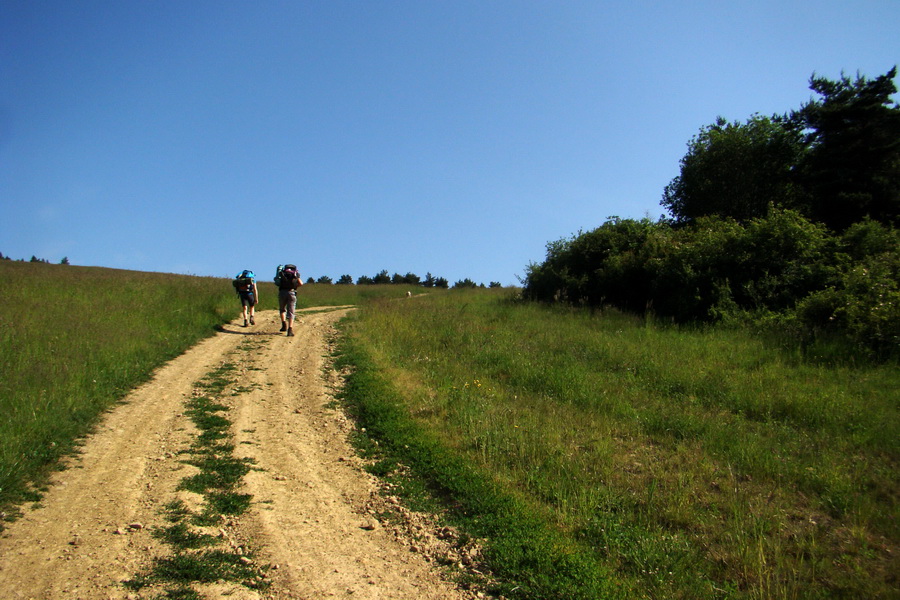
35, 259
788, 221
383, 277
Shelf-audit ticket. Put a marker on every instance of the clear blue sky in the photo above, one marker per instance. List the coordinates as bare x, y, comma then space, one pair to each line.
454, 137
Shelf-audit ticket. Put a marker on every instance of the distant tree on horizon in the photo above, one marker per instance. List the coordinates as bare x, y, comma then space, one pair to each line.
408, 279
465, 283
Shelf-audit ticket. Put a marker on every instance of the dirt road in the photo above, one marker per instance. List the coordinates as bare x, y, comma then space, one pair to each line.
310, 526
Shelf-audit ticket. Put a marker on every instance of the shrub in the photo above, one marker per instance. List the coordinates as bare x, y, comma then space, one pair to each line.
783, 269
864, 305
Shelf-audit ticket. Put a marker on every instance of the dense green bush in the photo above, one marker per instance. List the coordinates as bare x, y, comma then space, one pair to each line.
782, 268
864, 301
603, 266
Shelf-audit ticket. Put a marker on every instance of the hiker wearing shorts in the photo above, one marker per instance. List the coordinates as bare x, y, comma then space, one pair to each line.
245, 285
288, 280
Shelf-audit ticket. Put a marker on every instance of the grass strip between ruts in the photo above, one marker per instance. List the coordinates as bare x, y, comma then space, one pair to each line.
195, 560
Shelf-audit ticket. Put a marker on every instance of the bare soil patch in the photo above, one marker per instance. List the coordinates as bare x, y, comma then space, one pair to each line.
312, 521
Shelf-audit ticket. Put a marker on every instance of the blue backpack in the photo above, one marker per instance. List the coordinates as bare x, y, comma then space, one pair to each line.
243, 281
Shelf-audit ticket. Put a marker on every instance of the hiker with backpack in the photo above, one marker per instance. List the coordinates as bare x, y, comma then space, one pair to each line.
245, 286
287, 278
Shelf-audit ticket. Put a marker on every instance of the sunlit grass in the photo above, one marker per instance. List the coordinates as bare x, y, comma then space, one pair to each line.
649, 461
699, 463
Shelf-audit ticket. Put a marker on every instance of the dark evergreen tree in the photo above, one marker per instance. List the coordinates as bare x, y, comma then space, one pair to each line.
852, 169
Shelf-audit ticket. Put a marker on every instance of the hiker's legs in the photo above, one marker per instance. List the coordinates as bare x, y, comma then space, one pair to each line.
291, 307
283, 302
245, 302
287, 301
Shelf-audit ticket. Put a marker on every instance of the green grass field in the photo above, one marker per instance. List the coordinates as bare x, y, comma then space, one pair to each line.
595, 455
656, 462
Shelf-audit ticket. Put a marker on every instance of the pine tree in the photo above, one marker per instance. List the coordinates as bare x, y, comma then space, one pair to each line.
852, 168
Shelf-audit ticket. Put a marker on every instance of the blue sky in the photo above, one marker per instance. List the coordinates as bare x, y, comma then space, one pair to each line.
452, 137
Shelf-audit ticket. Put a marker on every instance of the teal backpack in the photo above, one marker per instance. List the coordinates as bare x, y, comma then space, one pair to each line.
243, 281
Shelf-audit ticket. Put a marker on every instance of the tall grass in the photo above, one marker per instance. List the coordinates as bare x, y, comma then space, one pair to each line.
689, 463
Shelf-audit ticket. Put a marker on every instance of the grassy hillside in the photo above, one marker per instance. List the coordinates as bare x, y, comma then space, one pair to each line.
77, 339
603, 456
595, 454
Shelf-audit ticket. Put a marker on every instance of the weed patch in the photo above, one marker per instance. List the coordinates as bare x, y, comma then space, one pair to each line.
182, 536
